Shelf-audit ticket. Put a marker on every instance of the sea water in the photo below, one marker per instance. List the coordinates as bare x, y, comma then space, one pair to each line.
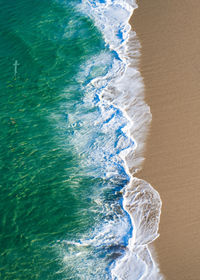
73, 126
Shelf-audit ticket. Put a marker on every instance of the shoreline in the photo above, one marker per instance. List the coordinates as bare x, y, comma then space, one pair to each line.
168, 32
140, 199
125, 92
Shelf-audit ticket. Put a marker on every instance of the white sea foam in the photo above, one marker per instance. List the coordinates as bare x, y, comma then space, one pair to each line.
125, 90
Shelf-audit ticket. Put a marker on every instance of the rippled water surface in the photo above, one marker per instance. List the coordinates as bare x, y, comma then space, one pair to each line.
60, 172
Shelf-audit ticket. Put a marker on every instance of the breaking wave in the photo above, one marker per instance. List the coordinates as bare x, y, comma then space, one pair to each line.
120, 97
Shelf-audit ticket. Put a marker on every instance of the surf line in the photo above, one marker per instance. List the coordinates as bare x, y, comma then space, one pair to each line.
125, 91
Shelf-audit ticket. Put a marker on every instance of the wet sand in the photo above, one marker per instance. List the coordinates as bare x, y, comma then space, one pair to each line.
169, 32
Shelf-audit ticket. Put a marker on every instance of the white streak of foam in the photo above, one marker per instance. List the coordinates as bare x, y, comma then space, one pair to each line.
125, 91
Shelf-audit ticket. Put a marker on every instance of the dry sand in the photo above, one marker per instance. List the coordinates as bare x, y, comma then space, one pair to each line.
169, 32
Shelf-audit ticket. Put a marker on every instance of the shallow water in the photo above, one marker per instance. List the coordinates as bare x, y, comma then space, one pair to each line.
54, 183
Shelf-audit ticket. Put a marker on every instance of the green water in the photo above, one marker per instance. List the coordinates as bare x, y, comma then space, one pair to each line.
42, 190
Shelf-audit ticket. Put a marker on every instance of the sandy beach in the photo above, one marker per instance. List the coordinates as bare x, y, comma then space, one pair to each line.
169, 32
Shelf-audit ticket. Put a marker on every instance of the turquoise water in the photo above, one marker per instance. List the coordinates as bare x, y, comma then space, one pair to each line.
58, 204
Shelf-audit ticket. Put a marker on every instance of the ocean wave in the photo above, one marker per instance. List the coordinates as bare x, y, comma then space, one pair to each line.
120, 97
125, 91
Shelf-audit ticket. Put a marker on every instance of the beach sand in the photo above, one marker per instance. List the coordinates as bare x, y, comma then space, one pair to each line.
169, 32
